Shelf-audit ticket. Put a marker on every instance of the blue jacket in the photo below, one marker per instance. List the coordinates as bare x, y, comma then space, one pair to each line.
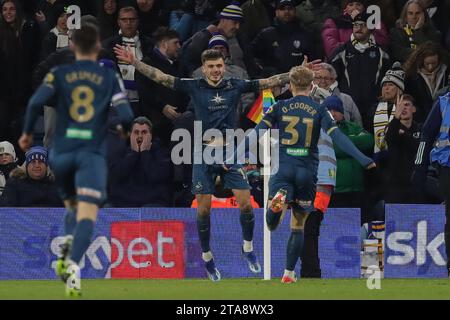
435, 129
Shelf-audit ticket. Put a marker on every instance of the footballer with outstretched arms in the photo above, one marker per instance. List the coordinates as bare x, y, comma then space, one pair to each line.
215, 101
299, 121
84, 91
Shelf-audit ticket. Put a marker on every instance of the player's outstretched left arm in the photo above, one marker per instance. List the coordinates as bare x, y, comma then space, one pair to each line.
280, 80
125, 54
348, 147
36, 103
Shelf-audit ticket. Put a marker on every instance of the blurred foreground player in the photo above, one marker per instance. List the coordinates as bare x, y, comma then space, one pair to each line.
300, 121
84, 91
435, 146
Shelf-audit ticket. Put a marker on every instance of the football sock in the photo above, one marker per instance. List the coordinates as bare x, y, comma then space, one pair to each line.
248, 246
272, 219
81, 239
203, 228
207, 256
247, 220
294, 249
70, 221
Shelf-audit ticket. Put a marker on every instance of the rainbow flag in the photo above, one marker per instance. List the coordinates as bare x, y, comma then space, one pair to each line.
261, 105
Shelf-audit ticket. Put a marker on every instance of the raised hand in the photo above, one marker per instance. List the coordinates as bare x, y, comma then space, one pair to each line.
124, 54
313, 65
25, 142
398, 107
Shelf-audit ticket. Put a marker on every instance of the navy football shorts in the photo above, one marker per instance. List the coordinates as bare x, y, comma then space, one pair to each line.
80, 174
204, 177
299, 182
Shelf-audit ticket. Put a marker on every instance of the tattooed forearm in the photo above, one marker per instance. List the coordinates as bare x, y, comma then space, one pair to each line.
154, 74
274, 81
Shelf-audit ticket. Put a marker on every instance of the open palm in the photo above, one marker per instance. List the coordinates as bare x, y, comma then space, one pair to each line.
124, 54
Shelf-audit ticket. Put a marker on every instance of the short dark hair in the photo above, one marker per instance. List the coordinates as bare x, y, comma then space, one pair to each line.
86, 38
142, 120
165, 33
211, 54
409, 98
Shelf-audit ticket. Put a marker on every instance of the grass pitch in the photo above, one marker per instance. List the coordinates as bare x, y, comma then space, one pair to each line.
231, 289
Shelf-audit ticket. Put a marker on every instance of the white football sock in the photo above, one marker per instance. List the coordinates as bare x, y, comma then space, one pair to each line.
248, 246
207, 256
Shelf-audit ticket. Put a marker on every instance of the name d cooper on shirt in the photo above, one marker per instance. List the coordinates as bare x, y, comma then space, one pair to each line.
212, 146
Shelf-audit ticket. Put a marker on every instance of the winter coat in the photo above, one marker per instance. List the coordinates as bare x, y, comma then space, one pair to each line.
360, 75
336, 32
193, 47
139, 179
22, 191
400, 45
417, 86
312, 19
350, 174
283, 46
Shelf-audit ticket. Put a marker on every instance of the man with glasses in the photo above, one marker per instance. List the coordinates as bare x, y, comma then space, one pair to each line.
129, 36
325, 84
361, 64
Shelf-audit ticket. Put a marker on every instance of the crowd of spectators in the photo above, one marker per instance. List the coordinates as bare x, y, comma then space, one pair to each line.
385, 78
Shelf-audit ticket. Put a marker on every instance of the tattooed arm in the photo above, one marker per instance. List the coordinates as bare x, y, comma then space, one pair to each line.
154, 74
123, 54
278, 80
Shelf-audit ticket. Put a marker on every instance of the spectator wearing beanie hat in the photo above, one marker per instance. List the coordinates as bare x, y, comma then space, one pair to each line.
230, 19
360, 65
392, 87
8, 162
31, 185
336, 32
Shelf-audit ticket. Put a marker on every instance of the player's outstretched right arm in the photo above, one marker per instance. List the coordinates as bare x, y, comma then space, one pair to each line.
124, 54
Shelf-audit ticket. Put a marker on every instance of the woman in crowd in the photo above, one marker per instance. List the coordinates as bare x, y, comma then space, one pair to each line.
412, 29
426, 73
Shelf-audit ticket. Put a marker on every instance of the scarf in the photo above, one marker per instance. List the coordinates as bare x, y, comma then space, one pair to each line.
434, 79
361, 47
380, 123
127, 70
62, 39
410, 32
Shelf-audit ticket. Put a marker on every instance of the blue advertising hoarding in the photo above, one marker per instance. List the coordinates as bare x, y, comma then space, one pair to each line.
414, 245
163, 242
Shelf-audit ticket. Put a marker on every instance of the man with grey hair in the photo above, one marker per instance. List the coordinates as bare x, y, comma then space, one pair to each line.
325, 85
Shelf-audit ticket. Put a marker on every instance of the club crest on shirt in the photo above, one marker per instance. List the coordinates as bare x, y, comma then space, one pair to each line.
218, 99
